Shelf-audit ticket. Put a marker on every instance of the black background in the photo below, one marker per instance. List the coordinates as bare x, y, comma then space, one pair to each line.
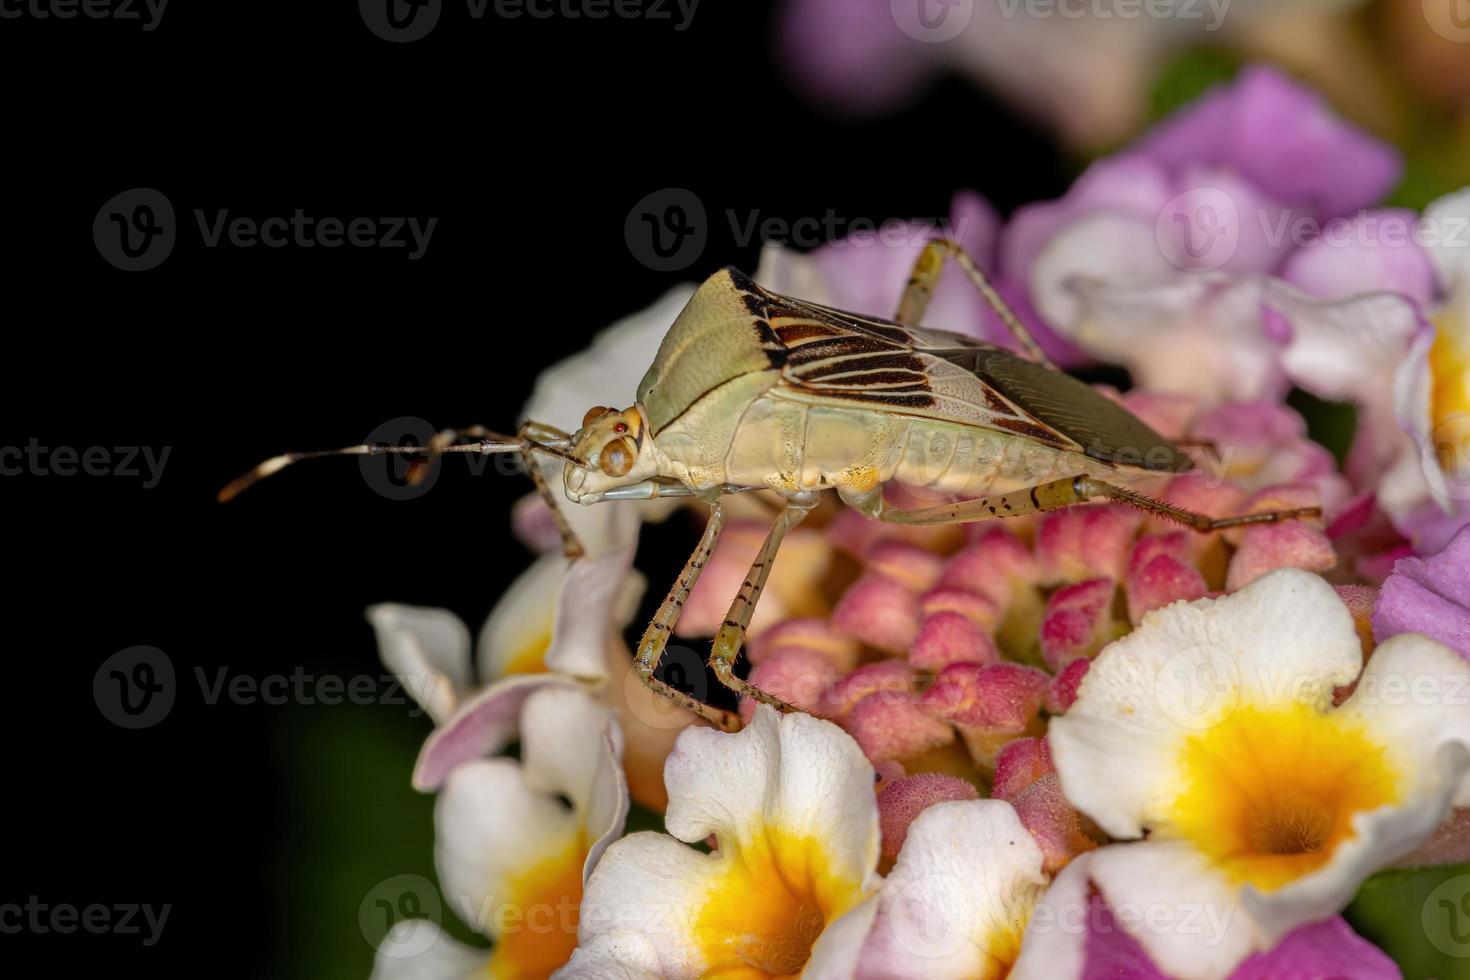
530, 141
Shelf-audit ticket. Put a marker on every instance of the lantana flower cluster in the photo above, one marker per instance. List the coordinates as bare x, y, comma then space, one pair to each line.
1081, 743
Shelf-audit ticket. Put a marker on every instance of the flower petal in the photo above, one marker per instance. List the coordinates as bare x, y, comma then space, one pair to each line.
418, 949
957, 901
482, 725
428, 650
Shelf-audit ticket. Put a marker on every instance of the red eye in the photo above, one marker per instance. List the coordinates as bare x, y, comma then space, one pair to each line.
621, 427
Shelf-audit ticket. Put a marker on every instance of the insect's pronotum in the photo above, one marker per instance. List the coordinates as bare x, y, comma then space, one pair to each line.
751, 390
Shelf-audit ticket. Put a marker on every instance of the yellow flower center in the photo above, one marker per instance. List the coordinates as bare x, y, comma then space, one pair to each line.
537, 922
768, 904
530, 657
1449, 406
1270, 792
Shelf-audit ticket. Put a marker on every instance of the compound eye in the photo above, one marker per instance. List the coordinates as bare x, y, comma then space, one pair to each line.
616, 458
593, 414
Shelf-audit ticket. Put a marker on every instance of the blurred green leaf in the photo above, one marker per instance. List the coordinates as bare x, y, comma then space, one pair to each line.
1419, 917
1331, 424
1185, 79
354, 821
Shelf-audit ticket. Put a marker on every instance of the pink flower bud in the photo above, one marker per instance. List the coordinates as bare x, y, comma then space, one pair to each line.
991, 704
1078, 622
1063, 689
893, 676
797, 676
880, 612
1159, 572
950, 638
901, 802
815, 635
1290, 544
1084, 542
976, 608
909, 565
888, 725
993, 566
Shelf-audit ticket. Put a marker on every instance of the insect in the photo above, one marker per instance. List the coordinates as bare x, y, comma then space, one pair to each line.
751, 390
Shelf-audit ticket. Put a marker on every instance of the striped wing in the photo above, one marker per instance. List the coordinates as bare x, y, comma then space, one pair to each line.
848, 358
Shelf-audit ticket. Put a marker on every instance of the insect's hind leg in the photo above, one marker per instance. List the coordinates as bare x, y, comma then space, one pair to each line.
925, 277
656, 636
727, 642
1077, 490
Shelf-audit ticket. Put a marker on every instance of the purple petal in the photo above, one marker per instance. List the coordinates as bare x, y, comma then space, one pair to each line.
1316, 950
1285, 138
850, 54
1370, 251
1321, 949
1429, 596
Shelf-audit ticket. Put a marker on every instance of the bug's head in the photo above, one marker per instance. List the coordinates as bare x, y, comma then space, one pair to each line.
612, 446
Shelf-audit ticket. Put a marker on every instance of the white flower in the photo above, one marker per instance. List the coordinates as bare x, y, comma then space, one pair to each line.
515, 841
791, 885
1210, 731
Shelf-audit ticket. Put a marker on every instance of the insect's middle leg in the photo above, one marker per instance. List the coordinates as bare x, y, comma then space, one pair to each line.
925, 277
726, 646
656, 636
1077, 490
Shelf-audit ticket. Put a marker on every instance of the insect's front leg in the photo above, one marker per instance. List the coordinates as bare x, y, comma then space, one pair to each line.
656, 636
726, 646
534, 437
